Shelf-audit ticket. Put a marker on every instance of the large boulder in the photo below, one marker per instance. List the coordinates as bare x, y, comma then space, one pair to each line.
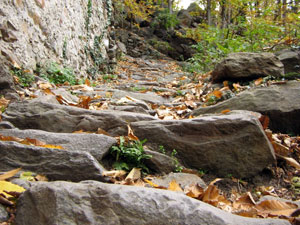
93, 202
290, 59
7, 87
67, 119
245, 65
36, 31
97, 145
280, 102
56, 164
226, 144
185, 19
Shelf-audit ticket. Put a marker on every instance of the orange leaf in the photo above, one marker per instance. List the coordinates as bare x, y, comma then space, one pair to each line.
52, 146
101, 131
225, 83
276, 208
151, 183
47, 91
9, 174
131, 136
258, 81
87, 82
193, 191
173, 186
225, 111
217, 93
264, 120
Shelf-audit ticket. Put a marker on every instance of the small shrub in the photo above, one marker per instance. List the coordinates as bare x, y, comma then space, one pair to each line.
56, 74
25, 78
129, 155
165, 19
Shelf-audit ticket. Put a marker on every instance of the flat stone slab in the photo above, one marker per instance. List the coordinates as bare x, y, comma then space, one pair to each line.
56, 164
97, 145
67, 119
94, 202
224, 144
280, 102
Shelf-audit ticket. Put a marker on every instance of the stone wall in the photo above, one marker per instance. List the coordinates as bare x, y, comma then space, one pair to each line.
64, 31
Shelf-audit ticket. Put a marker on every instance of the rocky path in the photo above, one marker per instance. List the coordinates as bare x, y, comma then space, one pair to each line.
158, 102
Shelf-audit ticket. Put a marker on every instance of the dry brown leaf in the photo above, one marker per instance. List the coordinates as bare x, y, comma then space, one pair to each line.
52, 146
9, 138
276, 208
225, 111
134, 175
264, 120
84, 102
225, 83
173, 186
244, 203
191, 104
258, 81
194, 191
131, 135
114, 173
101, 131
4, 102
44, 85
87, 82
47, 91
290, 161
151, 183
280, 149
9, 174
41, 178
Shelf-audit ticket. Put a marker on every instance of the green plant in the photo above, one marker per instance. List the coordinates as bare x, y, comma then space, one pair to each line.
165, 19
25, 78
178, 167
109, 77
162, 149
56, 74
129, 155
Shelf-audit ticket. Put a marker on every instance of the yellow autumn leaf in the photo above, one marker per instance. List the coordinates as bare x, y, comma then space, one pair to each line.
174, 186
9, 174
151, 183
258, 81
6, 186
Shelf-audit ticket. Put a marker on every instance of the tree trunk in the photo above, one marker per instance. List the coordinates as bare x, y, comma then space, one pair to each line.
170, 6
208, 12
223, 14
278, 11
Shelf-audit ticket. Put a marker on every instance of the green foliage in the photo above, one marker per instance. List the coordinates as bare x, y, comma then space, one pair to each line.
165, 19
56, 74
129, 155
109, 77
25, 78
162, 149
178, 167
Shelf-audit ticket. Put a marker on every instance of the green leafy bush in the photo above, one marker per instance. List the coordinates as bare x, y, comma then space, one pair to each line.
129, 155
25, 78
165, 19
56, 74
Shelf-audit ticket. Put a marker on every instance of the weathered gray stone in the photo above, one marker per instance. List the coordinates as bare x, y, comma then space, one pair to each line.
97, 145
183, 179
99, 203
6, 125
185, 18
290, 59
225, 144
56, 164
41, 31
7, 87
245, 65
280, 102
66, 119
159, 162
3, 214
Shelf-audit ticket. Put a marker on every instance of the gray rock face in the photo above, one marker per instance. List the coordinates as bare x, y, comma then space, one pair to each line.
56, 164
226, 144
3, 214
6, 81
280, 102
96, 144
159, 162
66, 119
38, 31
98, 203
183, 179
185, 18
244, 65
290, 59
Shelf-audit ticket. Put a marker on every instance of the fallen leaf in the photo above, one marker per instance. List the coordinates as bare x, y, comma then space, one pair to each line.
258, 81
134, 175
264, 120
276, 208
27, 176
173, 186
44, 85
244, 203
6, 186
193, 191
101, 131
280, 149
41, 178
225, 111
290, 161
87, 82
9, 174
151, 183
131, 135
114, 173
47, 91
5, 201
84, 102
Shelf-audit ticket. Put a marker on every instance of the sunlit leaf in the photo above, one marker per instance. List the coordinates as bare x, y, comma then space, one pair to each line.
114, 173
6, 186
9, 174
194, 190
131, 135
174, 186
276, 207
151, 183
27, 176
290, 161
258, 81
225, 111
134, 174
